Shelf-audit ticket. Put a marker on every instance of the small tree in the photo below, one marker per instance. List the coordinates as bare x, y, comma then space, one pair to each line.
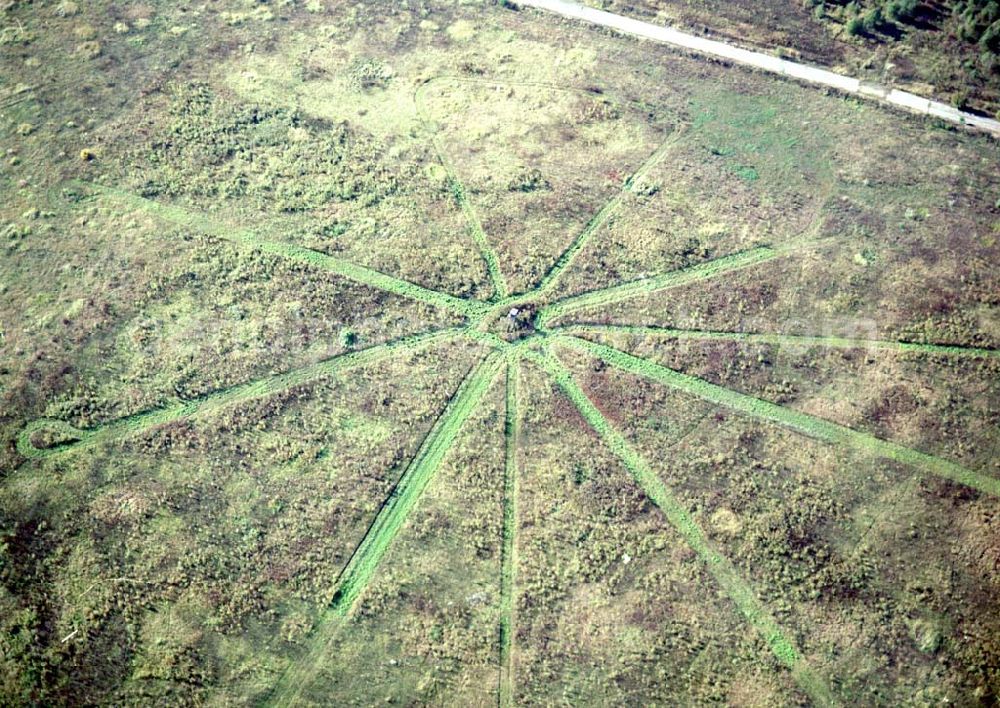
872, 20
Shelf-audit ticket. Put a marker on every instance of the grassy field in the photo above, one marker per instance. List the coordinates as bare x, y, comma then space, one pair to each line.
449, 353
946, 49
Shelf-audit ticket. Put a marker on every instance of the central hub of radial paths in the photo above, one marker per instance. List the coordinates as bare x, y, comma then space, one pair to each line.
512, 322
535, 327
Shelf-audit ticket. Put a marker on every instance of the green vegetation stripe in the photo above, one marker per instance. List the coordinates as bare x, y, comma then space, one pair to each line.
218, 399
721, 568
338, 266
795, 420
489, 339
297, 676
781, 339
366, 557
508, 550
458, 191
567, 257
617, 293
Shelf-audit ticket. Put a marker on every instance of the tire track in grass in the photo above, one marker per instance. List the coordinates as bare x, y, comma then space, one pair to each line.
701, 271
803, 423
721, 568
565, 260
365, 559
458, 192
782, 339
645, 286
16, 95
219, 399
457, 189
346, 269
509, 548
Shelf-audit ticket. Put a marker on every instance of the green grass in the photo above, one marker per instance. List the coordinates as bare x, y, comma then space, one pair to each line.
476, 229
457, 189
316, 150
618, 293
217, 400
801, 422
500, 161
387, 524
760, 139
551, 278
332, 264
391, 517
509, 548
721, 568
784, 339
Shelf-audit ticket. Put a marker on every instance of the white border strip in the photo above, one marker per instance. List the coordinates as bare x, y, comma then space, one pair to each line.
902, 99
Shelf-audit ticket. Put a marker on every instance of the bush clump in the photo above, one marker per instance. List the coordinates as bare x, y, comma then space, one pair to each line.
273, 158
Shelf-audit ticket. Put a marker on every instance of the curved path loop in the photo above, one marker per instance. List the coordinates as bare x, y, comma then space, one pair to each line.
759, 60
501, 361
71, 438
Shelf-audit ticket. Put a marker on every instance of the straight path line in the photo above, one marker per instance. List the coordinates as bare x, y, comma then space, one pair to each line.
218, 399
388, 522
791, 339
458, 191
783, 67
386, 526
338, 266
645, 286
567, 256
487, 251
509, 547
551, 278
720, 567
803, 423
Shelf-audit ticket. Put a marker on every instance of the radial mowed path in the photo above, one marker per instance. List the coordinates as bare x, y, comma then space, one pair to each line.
553, 331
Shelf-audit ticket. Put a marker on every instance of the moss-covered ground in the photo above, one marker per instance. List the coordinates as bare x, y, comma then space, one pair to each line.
449, 353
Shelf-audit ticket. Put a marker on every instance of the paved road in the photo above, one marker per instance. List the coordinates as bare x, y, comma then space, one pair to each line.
802, 72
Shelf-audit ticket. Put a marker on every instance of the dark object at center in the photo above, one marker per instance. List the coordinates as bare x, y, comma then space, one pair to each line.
517, 323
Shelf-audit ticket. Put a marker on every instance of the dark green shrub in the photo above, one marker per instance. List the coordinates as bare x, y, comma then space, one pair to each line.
872, 20
990, 39
901, 10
